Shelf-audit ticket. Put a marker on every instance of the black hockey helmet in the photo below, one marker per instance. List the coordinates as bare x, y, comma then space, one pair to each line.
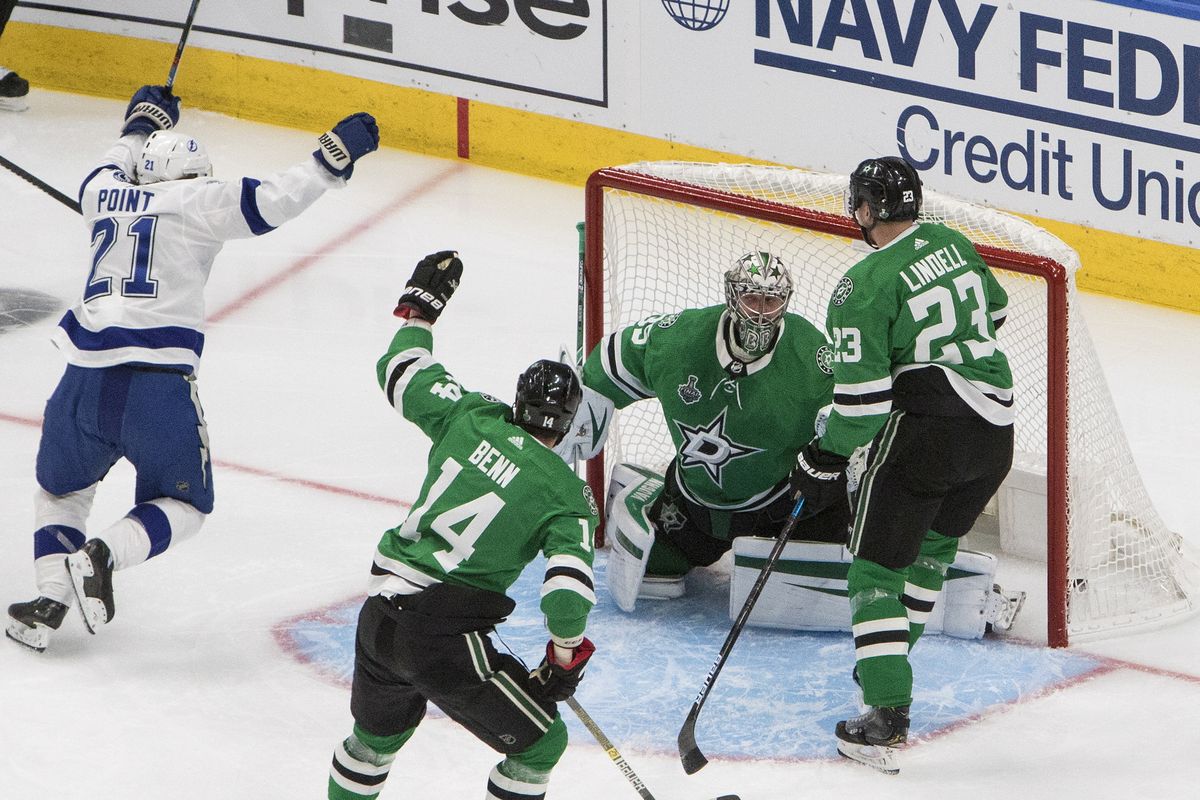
890, 186
548, 393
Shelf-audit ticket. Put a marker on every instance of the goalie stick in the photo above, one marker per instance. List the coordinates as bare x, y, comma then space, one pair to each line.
187, 28
689, 752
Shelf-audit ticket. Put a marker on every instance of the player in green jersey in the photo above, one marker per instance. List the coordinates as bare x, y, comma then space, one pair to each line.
495, 495
740, 386
919, 377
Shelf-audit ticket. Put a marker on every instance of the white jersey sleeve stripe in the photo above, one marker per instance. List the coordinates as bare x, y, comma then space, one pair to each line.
616, 371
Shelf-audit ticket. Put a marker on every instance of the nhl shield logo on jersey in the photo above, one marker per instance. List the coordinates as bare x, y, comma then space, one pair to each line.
825, 359
688, 392
842, 291
668, 320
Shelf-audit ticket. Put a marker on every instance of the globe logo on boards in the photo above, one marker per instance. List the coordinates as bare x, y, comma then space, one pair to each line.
697, 15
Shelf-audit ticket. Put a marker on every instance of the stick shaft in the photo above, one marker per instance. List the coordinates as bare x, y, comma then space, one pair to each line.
41, 184
689, 752
187, 28
610, 749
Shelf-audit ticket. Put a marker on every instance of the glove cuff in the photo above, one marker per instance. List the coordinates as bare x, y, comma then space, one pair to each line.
147, 113
333, 155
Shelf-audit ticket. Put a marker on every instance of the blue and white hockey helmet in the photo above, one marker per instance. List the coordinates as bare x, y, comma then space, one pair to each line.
171, 156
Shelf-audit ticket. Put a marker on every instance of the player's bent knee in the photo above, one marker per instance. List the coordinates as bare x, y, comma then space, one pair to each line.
542, 755
183, 518
70, 509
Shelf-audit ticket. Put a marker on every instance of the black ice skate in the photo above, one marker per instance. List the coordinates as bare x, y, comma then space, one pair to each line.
91, 570
13, 89
30, 623
874, 738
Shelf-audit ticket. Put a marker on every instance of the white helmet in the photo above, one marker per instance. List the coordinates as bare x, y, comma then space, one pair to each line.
171, 156
757, 290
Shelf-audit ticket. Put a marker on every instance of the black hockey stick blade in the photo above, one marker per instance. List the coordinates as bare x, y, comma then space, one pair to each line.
689, 752
41, 184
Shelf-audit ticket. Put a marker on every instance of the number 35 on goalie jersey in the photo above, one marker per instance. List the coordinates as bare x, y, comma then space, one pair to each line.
492, 499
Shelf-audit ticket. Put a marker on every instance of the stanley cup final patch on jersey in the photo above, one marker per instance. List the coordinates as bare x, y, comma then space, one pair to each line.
842, 291
688, 392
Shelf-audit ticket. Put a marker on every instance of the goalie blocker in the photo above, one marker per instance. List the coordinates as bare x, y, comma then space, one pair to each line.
807, 590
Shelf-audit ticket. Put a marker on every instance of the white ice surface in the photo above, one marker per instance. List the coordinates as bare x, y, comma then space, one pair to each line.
187, 695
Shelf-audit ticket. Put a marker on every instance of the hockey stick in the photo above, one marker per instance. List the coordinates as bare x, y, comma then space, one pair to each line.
41, 184
187, 28
689, 752
610, 749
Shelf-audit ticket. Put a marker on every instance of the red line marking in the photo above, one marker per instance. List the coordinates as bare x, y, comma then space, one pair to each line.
31, 423
311, 484
332, 245
464, 128
307, 483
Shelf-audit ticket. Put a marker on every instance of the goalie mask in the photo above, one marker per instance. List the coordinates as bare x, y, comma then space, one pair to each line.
757, 291
548, 393
170, 156
890, 187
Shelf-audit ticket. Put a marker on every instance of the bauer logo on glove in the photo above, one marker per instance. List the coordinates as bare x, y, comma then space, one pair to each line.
433, 282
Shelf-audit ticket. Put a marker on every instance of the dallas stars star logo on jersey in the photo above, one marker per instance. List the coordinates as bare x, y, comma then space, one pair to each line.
707, 446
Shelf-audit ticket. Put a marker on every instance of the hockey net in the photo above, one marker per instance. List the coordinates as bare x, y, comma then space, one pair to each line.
660, 235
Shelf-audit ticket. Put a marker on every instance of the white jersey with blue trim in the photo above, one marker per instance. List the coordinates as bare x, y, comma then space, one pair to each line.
153, 248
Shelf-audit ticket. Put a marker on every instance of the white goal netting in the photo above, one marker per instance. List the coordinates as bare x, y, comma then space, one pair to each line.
670, 230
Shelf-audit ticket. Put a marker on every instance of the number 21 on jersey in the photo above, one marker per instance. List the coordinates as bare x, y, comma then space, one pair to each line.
104, 237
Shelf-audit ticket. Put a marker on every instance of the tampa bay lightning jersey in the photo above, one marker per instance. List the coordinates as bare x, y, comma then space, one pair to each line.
153, 248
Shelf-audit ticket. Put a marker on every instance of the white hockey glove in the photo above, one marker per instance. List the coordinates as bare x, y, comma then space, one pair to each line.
589, 430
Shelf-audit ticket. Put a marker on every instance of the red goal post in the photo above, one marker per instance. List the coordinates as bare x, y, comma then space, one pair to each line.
663, 217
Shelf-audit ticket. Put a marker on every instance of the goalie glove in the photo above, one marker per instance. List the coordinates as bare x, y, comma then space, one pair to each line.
820, 477
589, 429
152, 108
555, 681
429, 289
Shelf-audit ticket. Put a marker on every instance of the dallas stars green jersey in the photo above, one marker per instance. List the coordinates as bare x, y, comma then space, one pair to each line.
736, 427
492, 499
914, 325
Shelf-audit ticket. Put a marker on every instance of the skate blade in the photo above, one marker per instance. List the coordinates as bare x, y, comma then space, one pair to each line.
90, 608
35, 638
877, 757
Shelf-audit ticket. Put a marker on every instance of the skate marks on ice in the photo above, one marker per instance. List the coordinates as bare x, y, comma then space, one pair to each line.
780, 694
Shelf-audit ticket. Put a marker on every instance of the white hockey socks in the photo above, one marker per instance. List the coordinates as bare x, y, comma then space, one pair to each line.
149, 529
61, 522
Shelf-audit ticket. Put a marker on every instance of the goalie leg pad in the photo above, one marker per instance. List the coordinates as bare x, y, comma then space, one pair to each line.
806, 591
631, 491
973, 602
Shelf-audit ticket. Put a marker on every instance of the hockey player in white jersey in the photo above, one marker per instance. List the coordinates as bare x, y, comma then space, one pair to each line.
133, 340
